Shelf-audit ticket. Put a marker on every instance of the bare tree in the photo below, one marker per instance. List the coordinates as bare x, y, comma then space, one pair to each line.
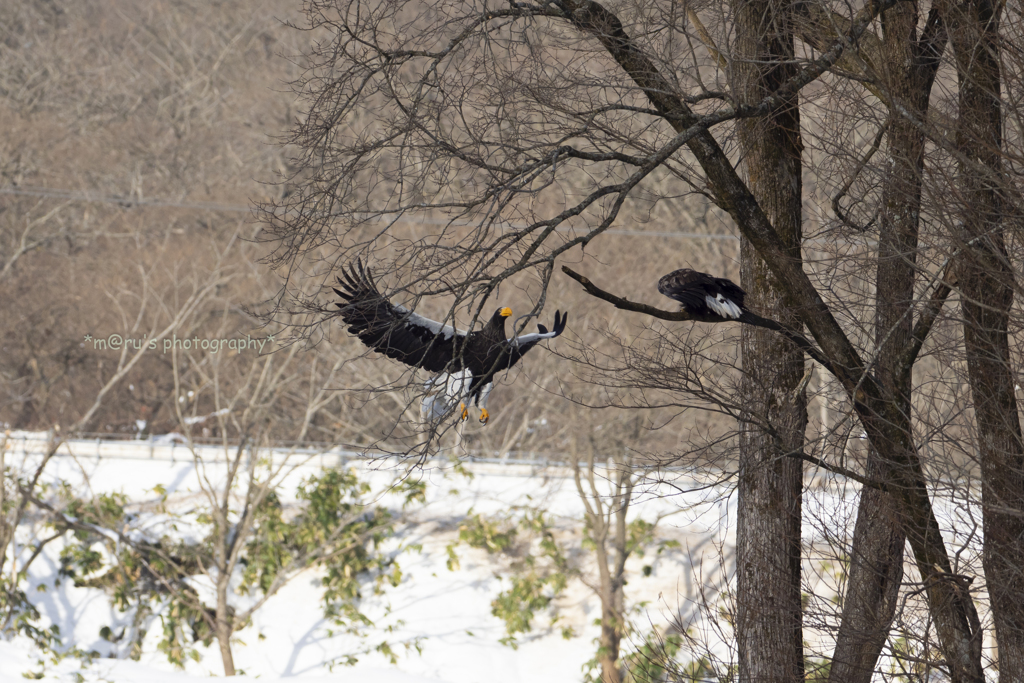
616, 536
545, 556
22, 481
876, 568
524, 132
246, 529
988, 283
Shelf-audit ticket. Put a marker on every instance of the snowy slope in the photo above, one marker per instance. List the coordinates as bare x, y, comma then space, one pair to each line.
448, 611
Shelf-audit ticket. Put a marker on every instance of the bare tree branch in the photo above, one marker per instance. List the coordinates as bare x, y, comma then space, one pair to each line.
683, 316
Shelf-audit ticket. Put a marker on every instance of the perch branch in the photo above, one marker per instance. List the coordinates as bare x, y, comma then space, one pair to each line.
682, 316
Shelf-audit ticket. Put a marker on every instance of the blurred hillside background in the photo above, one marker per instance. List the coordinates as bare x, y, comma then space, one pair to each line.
136, 137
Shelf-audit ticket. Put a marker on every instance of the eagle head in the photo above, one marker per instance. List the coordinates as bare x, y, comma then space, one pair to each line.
497, 321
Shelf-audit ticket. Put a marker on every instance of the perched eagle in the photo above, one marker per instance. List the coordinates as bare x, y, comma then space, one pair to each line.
465, 363
703, 295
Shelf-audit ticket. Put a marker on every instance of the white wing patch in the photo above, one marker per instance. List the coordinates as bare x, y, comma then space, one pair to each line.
445, 331
532, 337
723, 307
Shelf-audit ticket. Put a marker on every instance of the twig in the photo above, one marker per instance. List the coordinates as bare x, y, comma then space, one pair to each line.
840, 470
948, 280
706, 38
836, 208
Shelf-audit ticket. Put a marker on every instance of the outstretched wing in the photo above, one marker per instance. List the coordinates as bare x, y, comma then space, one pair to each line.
393, 330
525, 342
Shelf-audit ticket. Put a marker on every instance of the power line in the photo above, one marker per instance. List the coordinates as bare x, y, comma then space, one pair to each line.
130, 202
127, 202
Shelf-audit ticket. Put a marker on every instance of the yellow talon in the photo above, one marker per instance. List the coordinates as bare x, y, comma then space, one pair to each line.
465, 411
484, 416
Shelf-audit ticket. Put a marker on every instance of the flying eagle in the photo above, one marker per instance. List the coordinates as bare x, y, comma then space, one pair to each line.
703, 295
465, 363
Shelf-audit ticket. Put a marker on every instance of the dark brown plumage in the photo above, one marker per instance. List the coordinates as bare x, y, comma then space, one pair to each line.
703, 295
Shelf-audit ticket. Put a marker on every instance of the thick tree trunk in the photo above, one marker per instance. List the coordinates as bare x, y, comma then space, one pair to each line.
952, 610
876, 558
987, 285
768, 549
987, 296
875, 574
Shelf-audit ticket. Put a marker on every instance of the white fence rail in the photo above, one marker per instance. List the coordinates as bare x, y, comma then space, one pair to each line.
177, 449
173, 448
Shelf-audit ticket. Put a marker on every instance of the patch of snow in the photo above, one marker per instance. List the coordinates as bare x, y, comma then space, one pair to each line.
199, 419
449, 611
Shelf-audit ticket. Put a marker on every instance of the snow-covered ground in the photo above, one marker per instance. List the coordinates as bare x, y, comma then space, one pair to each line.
448, 612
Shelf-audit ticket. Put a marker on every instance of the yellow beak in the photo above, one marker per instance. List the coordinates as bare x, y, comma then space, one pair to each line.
505, 312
